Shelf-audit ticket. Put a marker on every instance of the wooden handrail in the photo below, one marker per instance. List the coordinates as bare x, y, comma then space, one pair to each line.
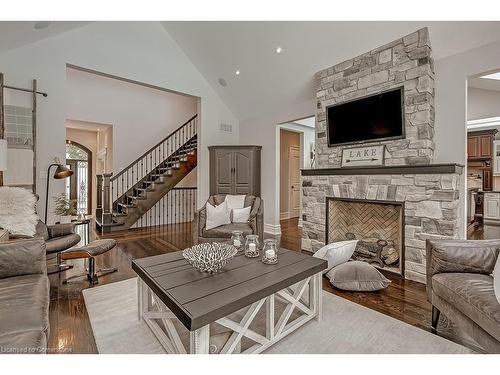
152, 148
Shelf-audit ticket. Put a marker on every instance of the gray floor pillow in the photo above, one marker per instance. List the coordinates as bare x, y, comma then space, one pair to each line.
357, 276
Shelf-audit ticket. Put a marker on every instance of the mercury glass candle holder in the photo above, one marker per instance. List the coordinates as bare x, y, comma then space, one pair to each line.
237, 239
252, 246
270, 252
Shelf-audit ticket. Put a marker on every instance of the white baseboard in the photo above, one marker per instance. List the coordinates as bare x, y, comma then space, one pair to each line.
284, 215
275, 230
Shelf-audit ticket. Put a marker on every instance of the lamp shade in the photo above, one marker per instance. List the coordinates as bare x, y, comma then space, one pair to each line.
62, 172
3, 154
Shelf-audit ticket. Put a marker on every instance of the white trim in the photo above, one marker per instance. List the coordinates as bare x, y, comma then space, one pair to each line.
284, 215
275, 230
300, 222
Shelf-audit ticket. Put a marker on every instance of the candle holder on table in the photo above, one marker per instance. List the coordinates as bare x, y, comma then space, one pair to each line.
252, 246
270, 252
237, 239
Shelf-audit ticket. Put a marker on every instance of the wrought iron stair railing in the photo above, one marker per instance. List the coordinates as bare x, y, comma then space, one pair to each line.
119, 192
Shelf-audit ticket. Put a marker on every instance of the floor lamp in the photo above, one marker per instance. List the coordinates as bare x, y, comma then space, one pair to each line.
61, 172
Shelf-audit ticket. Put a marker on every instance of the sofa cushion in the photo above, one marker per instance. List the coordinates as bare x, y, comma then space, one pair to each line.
224, 231
22, 257
28, 342
24, 304
62, 243
473, 295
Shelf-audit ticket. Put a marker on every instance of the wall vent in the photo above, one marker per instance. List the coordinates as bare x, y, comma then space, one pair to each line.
226, 128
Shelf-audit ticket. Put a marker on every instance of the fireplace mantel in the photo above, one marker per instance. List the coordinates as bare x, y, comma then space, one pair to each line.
387, 170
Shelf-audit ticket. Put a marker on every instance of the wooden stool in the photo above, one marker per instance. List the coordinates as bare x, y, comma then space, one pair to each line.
89, 252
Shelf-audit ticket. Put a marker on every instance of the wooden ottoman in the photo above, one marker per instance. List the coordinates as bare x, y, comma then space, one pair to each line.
89, 252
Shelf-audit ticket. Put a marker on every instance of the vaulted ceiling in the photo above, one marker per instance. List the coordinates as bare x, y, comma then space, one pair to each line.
268, 80
14, 34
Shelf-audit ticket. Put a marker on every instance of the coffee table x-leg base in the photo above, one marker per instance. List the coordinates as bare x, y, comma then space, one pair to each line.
160, 319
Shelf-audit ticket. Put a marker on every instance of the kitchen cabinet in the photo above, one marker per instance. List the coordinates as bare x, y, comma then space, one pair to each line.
491, 206
487, 179
480, 144
472, 147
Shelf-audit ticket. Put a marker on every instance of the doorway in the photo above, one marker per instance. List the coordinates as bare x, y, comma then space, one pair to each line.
483, 156
295, 151
78, 186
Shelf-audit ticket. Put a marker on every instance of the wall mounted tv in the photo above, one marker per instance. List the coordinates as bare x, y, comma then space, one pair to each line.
371, 118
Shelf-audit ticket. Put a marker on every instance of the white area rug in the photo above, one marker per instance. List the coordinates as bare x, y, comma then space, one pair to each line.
346, 327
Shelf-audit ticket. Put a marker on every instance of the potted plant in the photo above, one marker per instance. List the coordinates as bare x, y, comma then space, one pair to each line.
65, 208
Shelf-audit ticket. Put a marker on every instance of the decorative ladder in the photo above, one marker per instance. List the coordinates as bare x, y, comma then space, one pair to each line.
122, 199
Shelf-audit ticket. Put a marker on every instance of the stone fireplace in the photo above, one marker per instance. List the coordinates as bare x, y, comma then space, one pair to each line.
426, 194
376, 224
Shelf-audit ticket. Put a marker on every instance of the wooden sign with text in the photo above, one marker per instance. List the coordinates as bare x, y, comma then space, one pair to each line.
363, 156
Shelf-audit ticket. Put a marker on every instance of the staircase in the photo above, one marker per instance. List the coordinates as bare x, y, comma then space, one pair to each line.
124, 198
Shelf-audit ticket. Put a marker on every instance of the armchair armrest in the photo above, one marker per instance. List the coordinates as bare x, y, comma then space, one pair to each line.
199, 222
60, 230
22, 257
468, 256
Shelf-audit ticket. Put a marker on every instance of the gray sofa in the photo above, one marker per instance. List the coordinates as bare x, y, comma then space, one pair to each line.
255, 224
460, 285
24, 297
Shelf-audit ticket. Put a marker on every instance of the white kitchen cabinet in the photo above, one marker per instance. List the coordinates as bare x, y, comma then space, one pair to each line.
496, 158
492, 206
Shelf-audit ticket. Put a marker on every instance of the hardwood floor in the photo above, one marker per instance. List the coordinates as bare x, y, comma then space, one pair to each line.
70, 327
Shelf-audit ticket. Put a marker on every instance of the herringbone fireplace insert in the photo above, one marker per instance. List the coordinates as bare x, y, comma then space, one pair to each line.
378, 225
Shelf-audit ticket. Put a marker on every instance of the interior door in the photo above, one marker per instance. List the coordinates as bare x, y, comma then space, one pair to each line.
294, 181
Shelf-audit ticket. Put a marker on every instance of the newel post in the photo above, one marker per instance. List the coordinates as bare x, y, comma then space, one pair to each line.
98, 209
107, 213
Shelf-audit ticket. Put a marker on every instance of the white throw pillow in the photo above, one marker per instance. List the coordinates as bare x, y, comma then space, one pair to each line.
496, 279
241, 215
217, 215
235, 201
336, 253
17, 211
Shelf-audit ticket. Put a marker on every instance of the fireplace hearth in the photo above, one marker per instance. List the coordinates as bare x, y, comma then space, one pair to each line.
377, 225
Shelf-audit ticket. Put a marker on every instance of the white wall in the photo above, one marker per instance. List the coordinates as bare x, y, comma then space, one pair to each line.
141, 116
263, 130
451, 109
140, 51
482, 103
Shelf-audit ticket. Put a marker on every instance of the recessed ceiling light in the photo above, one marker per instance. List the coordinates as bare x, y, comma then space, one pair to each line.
222, 82
492, 76
279, 49
42, 25
237, 72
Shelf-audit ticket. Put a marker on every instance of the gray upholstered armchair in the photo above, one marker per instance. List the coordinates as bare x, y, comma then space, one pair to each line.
58, 237
460, 285
255, 224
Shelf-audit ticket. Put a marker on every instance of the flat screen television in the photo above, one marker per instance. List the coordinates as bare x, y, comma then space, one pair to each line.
372, 118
